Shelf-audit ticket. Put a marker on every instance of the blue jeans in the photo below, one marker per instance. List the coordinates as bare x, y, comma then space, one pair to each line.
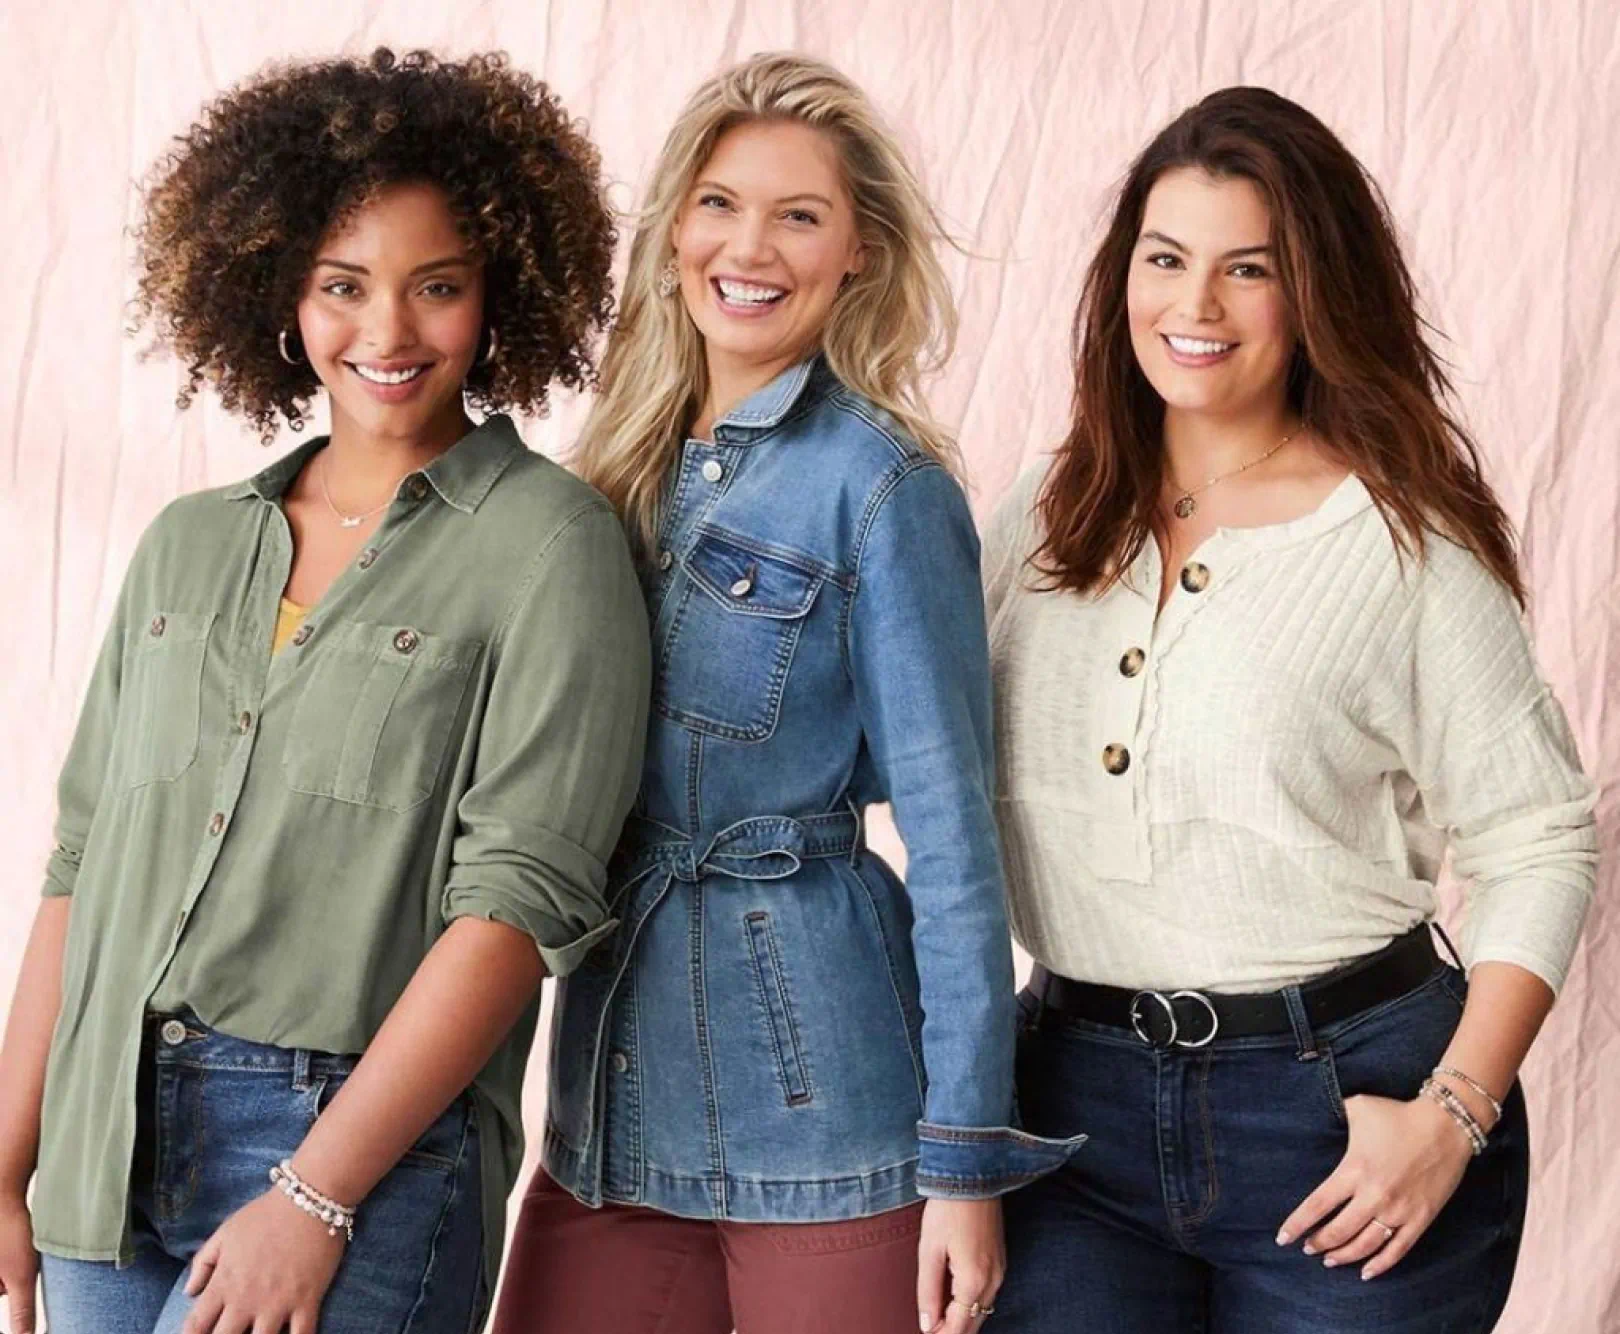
215, 1114
1167, 1220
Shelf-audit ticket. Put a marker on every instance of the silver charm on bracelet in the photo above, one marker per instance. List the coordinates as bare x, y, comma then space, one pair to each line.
320, 1207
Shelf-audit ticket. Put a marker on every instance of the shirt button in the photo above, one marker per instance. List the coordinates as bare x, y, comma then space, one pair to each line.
665, 559
712, 471
216, 826
244, 722
302, 633
1116, 759
174, 1032
1195, 577
742, 588
157, 627
620, 1062
416, 487
367, 558
405, 641
1131, 663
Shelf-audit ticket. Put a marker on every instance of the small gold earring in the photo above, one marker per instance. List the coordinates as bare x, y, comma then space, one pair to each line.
669, 279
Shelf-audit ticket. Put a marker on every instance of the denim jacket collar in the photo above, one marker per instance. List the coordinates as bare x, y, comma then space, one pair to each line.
767, 407
463, 475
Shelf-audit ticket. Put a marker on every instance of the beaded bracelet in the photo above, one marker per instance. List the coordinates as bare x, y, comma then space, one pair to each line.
311, 1201
1468, 1081
1457, 1109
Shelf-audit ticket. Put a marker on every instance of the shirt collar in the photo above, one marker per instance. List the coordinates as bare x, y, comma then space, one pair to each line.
768, 406
463, 475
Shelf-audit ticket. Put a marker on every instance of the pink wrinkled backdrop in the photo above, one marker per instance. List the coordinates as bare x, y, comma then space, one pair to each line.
1494, 128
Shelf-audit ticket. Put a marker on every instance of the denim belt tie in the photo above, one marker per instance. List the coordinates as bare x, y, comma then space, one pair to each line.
761, 847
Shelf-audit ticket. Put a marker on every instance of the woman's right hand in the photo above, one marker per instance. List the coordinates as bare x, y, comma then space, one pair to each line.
19, 1261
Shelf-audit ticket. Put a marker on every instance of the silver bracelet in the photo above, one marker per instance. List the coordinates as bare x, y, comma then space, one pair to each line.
1468, 1081
1457, 1109
311, 1201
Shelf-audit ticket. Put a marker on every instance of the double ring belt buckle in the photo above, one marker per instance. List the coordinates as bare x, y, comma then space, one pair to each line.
1139, 1019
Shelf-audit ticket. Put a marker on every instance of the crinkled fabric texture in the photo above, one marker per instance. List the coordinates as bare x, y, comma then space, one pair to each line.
1491, 124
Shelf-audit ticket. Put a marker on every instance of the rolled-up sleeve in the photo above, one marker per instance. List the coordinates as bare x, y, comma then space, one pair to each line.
86, 769
559, 746
1497, 765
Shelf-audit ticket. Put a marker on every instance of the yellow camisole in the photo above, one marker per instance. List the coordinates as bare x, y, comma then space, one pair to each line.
288, 619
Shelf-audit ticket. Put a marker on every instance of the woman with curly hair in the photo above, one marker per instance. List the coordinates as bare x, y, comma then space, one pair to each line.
784, 1046
358, 744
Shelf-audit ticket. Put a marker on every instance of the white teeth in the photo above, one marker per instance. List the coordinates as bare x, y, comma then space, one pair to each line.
388, 377
747, 294
1198, 347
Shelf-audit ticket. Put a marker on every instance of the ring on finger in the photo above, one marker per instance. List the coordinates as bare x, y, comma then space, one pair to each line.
974, 1309
1389, 1232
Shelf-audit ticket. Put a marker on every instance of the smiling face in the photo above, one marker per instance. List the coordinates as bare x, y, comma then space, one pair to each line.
391, 316
763, 239
1209, 320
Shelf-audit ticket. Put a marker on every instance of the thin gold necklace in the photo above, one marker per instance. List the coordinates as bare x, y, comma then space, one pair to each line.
349, 520
1187, 506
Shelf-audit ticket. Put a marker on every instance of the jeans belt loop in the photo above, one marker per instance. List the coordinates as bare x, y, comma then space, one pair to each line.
1300, 1022
300, 1069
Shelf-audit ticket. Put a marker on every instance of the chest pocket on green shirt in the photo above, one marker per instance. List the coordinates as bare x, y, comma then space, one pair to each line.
376, 712
160, 708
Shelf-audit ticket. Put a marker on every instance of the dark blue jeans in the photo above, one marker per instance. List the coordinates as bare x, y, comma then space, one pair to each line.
1166, 1220
216, 1113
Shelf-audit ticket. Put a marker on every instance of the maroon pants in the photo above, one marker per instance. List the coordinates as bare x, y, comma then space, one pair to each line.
629, 1270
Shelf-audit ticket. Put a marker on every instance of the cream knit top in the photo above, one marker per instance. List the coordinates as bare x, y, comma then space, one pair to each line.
1258, 784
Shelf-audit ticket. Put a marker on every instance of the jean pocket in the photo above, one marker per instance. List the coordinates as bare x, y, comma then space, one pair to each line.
376, 712
726, 657
440, 1148
161, 714
1389, 1051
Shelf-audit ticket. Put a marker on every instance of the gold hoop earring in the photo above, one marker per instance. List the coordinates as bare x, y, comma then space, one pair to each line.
669, 279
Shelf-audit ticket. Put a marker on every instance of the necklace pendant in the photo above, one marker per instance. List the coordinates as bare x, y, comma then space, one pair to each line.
349, 522
1186, 507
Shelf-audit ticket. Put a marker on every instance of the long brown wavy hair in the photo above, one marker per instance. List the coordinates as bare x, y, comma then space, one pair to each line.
1363, 375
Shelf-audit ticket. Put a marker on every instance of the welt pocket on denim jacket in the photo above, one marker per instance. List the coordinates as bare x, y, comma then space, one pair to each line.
375, 713
726, 656
776, 1005
161, 713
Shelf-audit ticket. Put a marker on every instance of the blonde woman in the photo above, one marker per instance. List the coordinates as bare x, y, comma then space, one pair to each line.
783, 1046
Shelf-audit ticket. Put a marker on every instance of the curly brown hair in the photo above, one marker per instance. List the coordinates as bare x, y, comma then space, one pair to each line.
235, 212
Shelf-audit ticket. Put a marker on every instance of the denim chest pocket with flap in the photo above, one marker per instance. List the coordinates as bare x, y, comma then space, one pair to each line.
730, 644
374, 717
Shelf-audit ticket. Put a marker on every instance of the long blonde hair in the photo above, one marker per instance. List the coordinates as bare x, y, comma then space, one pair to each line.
892, 324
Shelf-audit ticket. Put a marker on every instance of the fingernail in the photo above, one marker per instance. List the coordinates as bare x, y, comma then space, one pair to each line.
1309, 1249
925, 1322
1366, 1274
1283, 1239
1328, 1262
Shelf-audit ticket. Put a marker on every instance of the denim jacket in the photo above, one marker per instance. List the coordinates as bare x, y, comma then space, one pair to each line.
780, 1030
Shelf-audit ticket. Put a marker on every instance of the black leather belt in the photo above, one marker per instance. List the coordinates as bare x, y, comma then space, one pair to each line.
1164, 1019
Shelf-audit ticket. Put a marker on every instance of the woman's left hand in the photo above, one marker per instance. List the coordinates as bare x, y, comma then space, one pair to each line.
961, 1260
1402, 1165
267, 1267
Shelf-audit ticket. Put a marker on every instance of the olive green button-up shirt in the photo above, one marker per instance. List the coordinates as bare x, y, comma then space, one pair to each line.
276, 842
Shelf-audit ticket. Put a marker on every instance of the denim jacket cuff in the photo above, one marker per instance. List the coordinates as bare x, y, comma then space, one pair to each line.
980, 1162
